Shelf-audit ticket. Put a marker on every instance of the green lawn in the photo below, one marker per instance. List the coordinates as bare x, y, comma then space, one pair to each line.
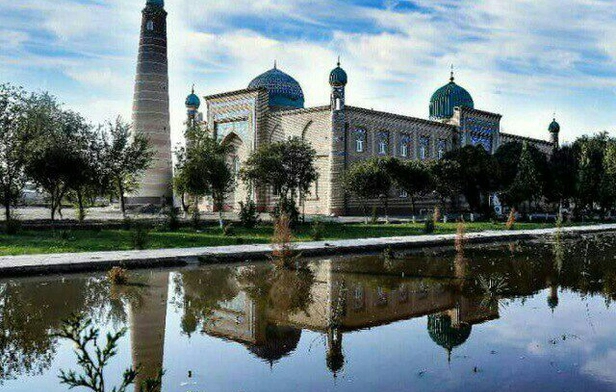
34, 242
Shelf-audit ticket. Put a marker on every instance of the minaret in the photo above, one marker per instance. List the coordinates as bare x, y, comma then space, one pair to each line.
338, 80
192, 108
151, 104
554, 130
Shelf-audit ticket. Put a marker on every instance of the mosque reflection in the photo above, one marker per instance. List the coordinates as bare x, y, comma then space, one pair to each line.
266, 309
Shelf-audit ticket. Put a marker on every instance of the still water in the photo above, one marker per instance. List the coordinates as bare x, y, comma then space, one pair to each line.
520, 317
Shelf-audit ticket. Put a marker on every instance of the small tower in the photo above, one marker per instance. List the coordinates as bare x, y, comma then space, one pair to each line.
338, 80
192, 107
554, 130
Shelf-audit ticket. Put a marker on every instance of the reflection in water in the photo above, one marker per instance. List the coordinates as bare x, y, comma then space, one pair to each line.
267, 311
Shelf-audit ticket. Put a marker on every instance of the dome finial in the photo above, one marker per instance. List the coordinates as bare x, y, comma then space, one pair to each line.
193, 89
451, 79
275, 64
338, 60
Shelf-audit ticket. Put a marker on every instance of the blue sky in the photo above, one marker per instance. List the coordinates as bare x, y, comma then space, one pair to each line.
525, 59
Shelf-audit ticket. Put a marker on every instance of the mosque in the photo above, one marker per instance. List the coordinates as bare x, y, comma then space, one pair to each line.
271, 108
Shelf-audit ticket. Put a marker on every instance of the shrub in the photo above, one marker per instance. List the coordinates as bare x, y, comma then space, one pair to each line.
195, 218
286, 207
249, 217
283, 254
139, 235
173, 218
240, 240
375, 215
316, 230
118, 276
511, 220
429, 226
228, 230
12, 226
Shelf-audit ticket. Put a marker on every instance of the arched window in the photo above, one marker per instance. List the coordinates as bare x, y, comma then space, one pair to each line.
424, 147
150, 25
383, 143
360, 140
441, 148
405, 140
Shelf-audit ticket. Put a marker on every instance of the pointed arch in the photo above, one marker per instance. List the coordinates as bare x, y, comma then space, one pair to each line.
306, 129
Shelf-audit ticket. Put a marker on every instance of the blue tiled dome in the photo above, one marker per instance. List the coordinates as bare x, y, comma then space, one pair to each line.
448, 97
158, 3
554, 127
338, 77
284, 91
193, 101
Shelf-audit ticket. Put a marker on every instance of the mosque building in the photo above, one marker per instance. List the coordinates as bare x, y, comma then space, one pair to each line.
272, 108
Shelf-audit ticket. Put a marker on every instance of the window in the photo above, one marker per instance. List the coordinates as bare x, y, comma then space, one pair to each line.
150, 25
236, 166
383, 143
404, 194
405, 141
360, 140
424, 146
442, 147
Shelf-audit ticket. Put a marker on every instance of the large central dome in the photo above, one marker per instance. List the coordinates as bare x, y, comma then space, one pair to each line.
446, 98
284, 91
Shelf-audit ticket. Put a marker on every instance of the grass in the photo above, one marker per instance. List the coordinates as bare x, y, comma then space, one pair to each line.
37, 242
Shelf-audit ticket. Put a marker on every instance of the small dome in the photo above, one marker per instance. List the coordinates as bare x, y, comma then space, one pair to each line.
157, 3
284, 91
554, 127
446, 98
446, 335
193, 101
338, 77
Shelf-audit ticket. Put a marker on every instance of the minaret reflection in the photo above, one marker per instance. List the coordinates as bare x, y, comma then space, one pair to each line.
147, 319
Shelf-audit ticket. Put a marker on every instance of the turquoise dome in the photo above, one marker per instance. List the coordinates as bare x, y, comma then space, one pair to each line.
284, 91
193, 101
158, 3
554, 127
443, 333
338, 77
446, 98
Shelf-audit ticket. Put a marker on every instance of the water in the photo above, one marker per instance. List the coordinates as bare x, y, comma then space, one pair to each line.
519, 317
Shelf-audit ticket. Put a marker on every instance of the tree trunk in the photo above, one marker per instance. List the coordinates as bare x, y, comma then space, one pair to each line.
82, 214
122, 203
7, 206
413, 205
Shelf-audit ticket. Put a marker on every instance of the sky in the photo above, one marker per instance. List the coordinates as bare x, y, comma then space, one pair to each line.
524, 59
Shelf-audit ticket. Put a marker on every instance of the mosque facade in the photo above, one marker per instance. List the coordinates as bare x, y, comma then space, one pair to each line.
272, 108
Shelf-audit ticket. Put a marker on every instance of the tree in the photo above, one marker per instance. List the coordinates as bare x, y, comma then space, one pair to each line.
54, 152
125, 156
446, 182
285, 166
563, 175
477, 174
607, 194
202, 169
367, 180
222, 182
526, 185
414, 177
590, 172
12, 148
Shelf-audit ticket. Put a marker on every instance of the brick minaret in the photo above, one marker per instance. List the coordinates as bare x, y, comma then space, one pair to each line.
151, 104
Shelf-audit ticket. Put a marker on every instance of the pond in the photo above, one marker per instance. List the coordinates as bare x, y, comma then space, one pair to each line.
520, 316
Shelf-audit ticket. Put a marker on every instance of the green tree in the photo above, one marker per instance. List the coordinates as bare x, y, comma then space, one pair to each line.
607, 195
446, 182
563, 175
222, 182
526, 185
590, 172
477, 174
54, 150
12, 148
367, 180
285, 166
414, 177
125, 156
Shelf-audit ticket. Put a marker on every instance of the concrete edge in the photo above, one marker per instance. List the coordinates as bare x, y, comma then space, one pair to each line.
100, 261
